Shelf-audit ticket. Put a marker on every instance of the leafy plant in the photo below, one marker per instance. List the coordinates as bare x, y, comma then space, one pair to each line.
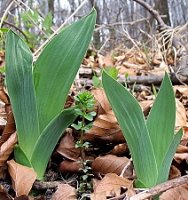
38, 91
84, 109
152, 142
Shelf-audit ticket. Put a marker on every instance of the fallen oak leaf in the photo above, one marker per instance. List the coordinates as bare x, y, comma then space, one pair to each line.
110, 186
7, 148
109, 164
9, 128
22, 177
64, 192
178, 193
70, 166
67, 147
102, 100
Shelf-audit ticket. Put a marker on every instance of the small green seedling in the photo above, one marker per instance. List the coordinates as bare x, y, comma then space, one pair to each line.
38, 91
152, 142
84, 108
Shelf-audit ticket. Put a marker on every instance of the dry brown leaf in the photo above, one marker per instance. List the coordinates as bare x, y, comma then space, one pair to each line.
3, 194
105, 136
120, 58
105, 128
184, 140
179, 157
22, 177
70, 166
3, 96
9, 129
110, 186
182, 89
178, 193
64, 192
22, 197
67, 147
105, 61
182, 149
181, 118
174, 172
7, 148
102, 100
119, 149
123, 70
157, 58
109, 164
180, 111
146, 106
106, 121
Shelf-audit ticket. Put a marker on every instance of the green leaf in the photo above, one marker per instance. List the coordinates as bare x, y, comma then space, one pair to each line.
132, 122
57, 67
48, 140
4, 30
156, 134
21, 157
161, 125
161, 120
20, 86
96, 82
77, 126
167, 160
88, 116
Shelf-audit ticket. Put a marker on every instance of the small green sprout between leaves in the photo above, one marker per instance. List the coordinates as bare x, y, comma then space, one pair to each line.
84, 109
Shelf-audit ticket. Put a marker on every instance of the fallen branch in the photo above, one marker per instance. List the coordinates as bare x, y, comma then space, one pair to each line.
86, 73
41, 185
160, 188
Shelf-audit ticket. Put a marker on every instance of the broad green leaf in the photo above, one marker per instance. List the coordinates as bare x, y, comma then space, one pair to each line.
132, 122
56, 67
161, 120
48, 140
20, 86
21, 157
167, 160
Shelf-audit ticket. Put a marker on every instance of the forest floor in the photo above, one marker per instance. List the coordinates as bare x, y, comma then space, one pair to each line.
112, 172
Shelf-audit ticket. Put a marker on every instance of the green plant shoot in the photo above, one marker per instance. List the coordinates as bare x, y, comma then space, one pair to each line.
152, 142
84, 108
38, 91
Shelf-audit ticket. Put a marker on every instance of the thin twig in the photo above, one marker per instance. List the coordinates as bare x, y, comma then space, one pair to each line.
160, 188
56, 32
17, 28
155, 13
21, 4
5, 13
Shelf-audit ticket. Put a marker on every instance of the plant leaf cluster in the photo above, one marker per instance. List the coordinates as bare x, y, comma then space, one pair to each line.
84, 108
152, 142
38, 91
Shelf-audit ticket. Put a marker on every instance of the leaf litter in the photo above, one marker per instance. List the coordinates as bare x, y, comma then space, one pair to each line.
105, 137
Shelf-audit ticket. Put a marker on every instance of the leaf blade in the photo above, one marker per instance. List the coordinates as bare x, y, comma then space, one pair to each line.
49, 138
165, 165
161, 120
66, 52
132, 123
21, 91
